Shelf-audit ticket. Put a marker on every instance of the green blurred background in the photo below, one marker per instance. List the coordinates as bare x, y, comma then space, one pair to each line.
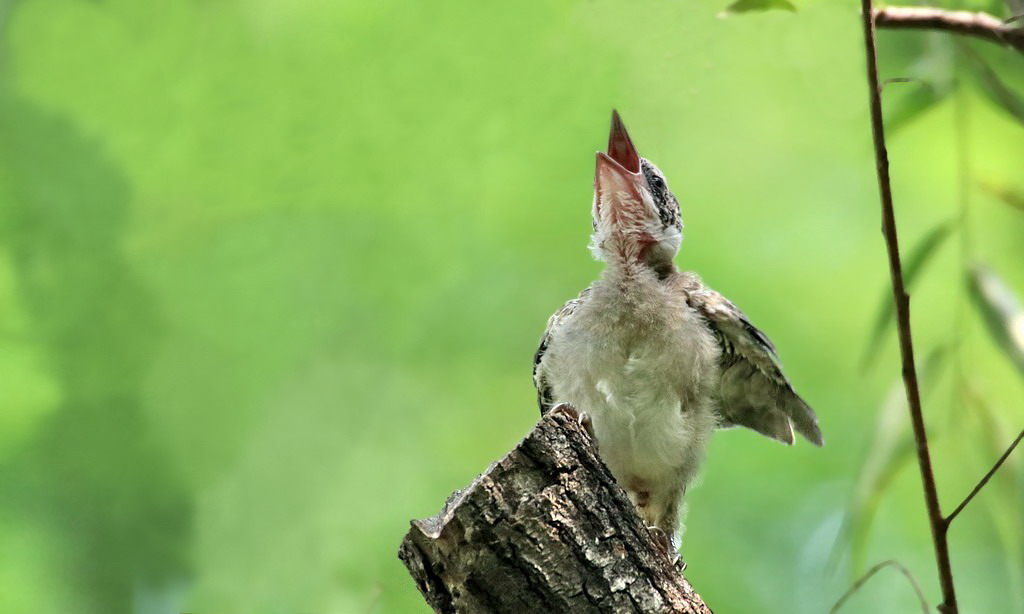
272, 274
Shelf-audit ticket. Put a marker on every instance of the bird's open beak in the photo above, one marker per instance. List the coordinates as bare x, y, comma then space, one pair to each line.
618, 179
620, 147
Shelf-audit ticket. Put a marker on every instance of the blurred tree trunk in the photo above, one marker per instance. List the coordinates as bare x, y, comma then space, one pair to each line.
545, 529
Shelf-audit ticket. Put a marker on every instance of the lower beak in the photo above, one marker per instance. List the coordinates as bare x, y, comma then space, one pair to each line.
616, 186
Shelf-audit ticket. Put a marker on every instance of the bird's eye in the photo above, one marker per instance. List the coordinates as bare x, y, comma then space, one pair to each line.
657, 182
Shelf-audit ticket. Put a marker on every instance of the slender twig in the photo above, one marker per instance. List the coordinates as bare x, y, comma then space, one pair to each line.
867, 576
902, 301
984, 480
967, 23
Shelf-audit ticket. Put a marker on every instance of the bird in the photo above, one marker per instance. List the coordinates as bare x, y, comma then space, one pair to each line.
649, 359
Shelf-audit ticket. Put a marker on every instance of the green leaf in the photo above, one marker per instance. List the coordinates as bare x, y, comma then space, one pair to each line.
1011, 196
1004, 512
995, 436
912, 267
748, 6
892, 447
993, 87
928, 80
1001, 311
912, 104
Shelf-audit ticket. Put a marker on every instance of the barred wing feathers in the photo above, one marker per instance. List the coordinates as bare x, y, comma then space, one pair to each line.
753, 391
545, 397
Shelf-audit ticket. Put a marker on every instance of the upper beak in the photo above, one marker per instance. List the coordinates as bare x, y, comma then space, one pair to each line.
620, 147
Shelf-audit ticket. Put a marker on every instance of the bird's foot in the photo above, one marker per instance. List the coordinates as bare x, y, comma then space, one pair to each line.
665, 545
579, 417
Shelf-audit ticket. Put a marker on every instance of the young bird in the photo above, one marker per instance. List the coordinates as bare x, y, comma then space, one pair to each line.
651, 358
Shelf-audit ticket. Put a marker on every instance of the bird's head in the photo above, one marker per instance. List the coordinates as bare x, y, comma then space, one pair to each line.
636, 216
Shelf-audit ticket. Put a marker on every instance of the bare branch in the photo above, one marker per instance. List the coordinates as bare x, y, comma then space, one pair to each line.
902, 301
984, 480
871, 572
967, 23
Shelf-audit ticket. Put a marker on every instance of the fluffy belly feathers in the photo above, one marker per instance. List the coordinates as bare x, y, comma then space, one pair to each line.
652, 424
646, 388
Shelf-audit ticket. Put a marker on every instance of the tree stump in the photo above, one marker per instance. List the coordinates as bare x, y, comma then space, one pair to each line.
545, 529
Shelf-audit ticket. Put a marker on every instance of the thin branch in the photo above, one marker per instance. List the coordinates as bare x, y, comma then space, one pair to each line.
871, 572
984, 480
967, 23
935, 518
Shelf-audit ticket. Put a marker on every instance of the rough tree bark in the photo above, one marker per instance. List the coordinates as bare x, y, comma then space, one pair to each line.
545, 529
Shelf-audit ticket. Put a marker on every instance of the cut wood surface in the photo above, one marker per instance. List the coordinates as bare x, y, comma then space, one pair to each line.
545, 529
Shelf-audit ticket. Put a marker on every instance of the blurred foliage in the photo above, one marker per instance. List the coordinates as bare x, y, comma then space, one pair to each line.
746, 6
1006, 194
271, 275
912, 264
891, 449
989, 81
915, 102
1001, 310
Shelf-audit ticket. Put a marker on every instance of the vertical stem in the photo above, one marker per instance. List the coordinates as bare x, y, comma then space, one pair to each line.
931, 497
963, 166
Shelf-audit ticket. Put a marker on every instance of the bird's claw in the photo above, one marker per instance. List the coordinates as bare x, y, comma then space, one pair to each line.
579, 417
664, 543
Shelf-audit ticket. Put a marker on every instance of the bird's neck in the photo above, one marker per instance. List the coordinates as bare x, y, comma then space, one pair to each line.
661, 260
648, 267
632, 254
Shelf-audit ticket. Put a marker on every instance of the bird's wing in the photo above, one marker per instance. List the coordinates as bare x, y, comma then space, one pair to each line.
753, 392
545, 397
